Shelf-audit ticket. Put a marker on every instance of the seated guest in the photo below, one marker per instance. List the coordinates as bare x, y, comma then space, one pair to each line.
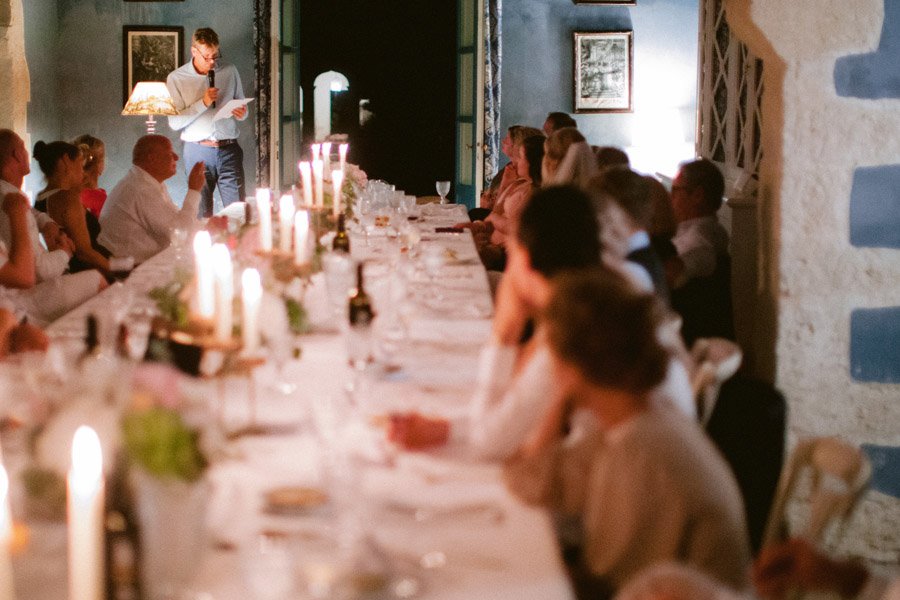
94, 151
662, 223
17, 336
139, 214
609, 157
649, 486
700, 276
63, 166
490, 238
51, 294
630, 193
557, 232
568, 159
557, 120
508, 175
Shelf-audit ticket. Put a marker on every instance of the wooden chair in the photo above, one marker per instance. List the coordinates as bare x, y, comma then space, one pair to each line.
839, 474
717, 360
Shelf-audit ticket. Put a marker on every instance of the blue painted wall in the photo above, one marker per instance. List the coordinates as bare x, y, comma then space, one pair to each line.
74, 50
537, 62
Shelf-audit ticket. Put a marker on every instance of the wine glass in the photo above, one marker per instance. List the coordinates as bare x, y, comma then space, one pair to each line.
433, 260
367, 217
443, 188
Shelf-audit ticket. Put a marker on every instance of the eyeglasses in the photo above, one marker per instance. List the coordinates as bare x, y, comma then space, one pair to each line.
212, 58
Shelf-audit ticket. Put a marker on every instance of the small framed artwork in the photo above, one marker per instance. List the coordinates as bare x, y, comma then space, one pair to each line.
601, 2
149, 53
603, 71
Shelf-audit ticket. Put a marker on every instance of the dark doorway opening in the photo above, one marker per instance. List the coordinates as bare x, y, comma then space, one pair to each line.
400, 55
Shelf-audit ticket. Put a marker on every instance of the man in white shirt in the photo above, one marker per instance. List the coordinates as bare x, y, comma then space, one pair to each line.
701, 273
47, 294
199, 89
139, 215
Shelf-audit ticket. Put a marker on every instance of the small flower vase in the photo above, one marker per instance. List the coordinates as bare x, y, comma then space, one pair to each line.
172, 518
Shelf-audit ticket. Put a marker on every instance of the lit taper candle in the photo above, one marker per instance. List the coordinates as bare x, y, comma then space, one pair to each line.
326, 156
337, 182
342, 152
205, 304
319, 176
301, 237
7, 589
285, 222
224, 273
251, 295
264, 207
306, 181
85, 512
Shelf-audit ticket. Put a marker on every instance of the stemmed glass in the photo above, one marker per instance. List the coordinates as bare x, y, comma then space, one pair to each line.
443, 188
433, 260
367, 217
340, 280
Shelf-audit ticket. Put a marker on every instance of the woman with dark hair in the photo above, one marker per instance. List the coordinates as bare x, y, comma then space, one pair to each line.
63, 166
93, 197
509, 206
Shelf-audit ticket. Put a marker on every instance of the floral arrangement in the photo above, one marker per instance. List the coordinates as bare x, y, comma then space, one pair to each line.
155, 434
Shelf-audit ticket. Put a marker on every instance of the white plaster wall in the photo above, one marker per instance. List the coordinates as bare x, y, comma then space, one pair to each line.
14, 70
814, 140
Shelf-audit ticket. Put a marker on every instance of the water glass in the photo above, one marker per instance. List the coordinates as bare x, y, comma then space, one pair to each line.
340, 281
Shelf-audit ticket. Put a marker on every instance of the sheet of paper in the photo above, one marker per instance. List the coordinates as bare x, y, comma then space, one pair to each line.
225, 111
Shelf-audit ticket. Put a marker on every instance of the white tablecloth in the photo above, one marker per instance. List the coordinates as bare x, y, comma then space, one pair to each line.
493, 546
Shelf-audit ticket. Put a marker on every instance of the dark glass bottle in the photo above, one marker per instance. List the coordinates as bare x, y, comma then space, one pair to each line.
361, 315
341, 241
91, 339
122, 539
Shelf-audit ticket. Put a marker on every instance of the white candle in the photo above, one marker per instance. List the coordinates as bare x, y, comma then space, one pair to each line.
7, 589
301, 237
251, 294
306, 180
315, 150
224, 273
342, 152
318, 174
205, 292
337, 181
264, 207
326, 155
285, 222
85, 511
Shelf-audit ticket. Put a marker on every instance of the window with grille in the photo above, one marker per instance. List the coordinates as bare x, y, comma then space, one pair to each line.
730, 94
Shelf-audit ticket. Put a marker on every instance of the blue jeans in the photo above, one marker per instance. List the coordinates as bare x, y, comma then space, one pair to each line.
224, 167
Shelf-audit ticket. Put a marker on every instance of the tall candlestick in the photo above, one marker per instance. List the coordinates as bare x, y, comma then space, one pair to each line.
224, 272
306, 180
205, 292
337, 181
7, 589
301, 237
285, 221
318, 175
326, 156
342, 152
264, 207
251, 294
85, 511
315, 150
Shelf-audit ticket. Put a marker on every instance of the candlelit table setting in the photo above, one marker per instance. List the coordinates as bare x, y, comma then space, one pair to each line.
284, 491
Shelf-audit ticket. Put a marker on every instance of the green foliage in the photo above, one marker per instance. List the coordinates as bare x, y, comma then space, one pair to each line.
296, 314
161, 443
168, 301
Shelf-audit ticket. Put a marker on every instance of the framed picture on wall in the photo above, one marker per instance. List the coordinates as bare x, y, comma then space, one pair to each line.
603, 71
615, 2
149, 53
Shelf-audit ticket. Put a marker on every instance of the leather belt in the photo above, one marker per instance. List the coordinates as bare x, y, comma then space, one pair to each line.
216, 143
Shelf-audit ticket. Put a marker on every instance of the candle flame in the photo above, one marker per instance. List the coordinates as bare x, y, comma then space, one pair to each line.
87, 459
263, 195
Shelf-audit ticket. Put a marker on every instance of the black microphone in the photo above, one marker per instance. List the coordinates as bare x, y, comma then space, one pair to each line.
211, 78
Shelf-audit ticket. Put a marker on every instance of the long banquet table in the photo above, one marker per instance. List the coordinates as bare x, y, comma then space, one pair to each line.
448, 520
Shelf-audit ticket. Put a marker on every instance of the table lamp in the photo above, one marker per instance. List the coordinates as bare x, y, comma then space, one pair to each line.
150, 98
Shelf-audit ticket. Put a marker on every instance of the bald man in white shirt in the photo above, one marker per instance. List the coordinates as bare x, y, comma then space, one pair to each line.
139, 215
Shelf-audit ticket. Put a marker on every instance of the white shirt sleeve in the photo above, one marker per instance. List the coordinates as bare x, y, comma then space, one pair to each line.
506, 407
187, 106
160, 218
50, 264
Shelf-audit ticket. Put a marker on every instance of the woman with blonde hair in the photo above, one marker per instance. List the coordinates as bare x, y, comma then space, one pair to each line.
94, 150
568, 159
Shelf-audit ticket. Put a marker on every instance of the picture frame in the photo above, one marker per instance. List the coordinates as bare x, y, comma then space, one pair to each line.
603, 71
149, 53
602, 2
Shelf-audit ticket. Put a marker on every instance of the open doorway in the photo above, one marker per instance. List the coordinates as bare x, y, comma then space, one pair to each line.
400, 63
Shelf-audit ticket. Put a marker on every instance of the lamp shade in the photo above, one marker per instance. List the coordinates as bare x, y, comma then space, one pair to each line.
150, 98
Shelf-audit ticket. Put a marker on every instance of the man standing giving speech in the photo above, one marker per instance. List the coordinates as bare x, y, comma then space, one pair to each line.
198, 88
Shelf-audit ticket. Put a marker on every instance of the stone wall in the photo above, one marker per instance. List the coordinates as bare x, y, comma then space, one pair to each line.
828, 233
13, 66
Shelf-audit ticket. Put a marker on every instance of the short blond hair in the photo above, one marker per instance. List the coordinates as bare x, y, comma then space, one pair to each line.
205, 36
